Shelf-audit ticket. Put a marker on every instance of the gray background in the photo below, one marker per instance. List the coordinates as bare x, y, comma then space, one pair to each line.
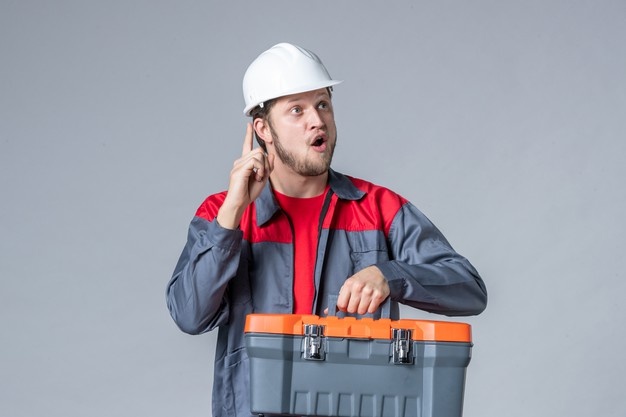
503, 121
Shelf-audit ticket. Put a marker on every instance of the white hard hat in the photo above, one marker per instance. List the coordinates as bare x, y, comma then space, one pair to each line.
282, 70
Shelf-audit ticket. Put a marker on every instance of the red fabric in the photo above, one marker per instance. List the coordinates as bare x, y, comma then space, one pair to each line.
375, 211
304, 214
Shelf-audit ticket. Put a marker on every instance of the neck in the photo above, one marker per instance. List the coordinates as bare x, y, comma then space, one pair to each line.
295, 185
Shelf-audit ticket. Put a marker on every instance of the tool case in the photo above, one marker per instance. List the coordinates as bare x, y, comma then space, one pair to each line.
346, 367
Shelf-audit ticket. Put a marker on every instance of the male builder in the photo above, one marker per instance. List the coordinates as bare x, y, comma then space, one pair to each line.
290, 233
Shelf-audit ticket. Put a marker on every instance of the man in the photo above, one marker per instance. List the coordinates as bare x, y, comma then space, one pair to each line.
290, 233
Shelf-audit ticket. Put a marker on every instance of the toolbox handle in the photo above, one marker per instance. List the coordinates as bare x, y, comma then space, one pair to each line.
384, 308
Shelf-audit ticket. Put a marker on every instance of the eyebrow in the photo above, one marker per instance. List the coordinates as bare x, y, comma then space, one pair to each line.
321, 95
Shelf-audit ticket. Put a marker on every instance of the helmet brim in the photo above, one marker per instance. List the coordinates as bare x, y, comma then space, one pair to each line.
297, 90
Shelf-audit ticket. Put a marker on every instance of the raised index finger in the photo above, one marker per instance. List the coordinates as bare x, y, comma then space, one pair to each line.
247, 142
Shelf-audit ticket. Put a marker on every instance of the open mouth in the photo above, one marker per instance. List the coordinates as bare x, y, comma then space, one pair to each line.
318, 142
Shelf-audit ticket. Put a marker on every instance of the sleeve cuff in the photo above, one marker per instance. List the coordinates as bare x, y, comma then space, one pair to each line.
394, 279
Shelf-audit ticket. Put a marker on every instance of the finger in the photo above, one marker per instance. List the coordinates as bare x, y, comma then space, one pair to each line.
366, 301
349, 296
247, 142
259, 167
353, 304
252, 160
364, 306
342, 299
374, 305
268, 166
250, 163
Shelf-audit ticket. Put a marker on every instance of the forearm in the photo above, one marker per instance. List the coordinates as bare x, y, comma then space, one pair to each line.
196, 293
425, 271
450, 287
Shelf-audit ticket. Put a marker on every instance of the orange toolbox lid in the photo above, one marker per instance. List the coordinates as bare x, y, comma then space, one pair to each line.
364, 328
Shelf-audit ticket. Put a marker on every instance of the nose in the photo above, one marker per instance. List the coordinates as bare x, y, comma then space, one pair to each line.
315, 119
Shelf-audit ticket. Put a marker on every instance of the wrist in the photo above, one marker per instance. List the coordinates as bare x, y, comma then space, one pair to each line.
227, 220
229, 217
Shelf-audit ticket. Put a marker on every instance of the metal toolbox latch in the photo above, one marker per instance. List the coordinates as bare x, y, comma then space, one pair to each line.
401, 346
313, 344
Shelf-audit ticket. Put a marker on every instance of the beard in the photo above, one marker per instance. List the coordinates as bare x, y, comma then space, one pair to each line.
303, 166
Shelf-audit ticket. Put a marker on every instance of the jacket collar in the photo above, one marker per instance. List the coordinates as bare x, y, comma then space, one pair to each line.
266, 205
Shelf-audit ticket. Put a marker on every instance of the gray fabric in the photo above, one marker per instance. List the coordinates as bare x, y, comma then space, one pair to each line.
220, 278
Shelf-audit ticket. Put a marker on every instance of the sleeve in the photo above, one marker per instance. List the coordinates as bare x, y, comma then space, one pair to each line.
196, 294
425, 272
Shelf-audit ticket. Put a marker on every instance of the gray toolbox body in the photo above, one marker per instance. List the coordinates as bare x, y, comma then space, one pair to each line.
346, 367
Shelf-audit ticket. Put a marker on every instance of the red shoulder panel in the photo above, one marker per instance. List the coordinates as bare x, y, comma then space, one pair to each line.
276, 230
375, 211
208, 209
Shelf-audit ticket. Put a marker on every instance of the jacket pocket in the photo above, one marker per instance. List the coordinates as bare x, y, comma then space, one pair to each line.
231, 389
367, 248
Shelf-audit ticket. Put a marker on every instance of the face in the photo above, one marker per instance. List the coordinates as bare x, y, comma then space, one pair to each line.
302, 132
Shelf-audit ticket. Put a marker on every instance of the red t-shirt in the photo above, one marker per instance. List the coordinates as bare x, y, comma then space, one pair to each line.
304, 214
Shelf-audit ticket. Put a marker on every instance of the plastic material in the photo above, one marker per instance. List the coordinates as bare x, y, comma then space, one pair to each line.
424, 330
282, 70
346, 367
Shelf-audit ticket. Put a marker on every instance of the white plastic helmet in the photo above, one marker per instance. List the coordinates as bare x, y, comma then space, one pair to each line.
282, 70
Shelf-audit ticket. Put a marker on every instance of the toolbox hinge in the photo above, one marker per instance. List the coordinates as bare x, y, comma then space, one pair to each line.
401, 346
313, 347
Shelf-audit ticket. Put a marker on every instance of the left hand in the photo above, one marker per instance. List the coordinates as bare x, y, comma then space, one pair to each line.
363, 292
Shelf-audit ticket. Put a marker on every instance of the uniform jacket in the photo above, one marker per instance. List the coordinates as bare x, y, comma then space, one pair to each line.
223, 275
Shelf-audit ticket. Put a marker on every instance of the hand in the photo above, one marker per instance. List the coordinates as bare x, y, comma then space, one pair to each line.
247, 179
363, 292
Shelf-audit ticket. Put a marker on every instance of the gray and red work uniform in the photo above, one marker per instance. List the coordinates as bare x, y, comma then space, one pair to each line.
223, 275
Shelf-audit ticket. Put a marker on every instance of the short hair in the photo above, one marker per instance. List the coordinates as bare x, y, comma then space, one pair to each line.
262, 111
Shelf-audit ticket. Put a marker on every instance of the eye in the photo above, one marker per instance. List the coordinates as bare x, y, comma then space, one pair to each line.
323, 105
295, 110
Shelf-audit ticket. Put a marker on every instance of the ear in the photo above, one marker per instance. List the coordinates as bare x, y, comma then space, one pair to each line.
262, 130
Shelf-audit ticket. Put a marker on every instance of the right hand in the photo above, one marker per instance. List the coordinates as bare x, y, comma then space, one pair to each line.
249, 175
